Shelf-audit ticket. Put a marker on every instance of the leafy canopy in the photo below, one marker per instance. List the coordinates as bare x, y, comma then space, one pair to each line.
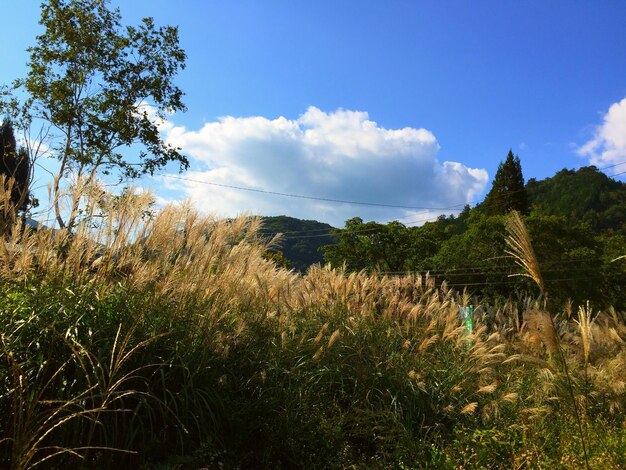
371, 246
101, 88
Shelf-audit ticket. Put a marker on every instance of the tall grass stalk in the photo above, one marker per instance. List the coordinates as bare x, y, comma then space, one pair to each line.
521, 249
38, 414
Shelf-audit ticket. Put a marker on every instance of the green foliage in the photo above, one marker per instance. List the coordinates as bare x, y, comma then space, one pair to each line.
576, 227
571, 256
475, 257
370, 246
483, 448
101, 88
278, 258
148, 357
585, 195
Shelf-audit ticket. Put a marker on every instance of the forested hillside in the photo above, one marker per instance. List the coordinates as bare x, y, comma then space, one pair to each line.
301, 240
581, 196
576, 219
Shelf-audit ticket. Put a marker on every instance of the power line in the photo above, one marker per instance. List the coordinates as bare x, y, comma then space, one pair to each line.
300, 196
437, 273
289, 235
428, 219
444, 273
617, 174
344, 231
545, 280
328, 233
473, 270
511, 281
341, 201
364, 230
415, 221
611, 166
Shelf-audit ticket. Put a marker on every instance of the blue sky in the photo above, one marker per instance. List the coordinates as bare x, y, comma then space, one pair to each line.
366, 101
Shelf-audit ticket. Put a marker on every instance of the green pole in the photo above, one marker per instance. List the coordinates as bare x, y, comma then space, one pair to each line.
468, 321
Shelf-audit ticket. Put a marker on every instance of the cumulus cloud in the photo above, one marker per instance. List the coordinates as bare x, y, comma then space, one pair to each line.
341, 155
608, 145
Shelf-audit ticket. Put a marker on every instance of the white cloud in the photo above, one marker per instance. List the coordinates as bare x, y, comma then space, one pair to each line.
338, 155
608, 145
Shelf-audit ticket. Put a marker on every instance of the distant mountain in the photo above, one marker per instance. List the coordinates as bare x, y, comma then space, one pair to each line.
584, 195
302, 239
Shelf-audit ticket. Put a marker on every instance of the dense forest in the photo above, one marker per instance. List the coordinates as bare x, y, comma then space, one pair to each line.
576, 220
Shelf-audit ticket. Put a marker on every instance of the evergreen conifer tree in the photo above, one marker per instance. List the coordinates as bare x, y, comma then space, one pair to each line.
14, 163
508, 191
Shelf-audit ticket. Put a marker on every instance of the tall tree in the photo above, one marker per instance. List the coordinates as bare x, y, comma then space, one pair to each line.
370, 245
14, 163
102, 88
508, 191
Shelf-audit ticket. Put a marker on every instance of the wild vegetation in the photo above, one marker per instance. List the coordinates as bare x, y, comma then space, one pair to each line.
576, 220
136, 337
166, 339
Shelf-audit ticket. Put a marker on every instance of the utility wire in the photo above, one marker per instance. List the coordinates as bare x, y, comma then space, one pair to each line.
288, 235
437, 273
482, 272
341, 201
509, 280
300, 196
329, 233
415, 221
422, 220
364, 230
612, 166
545, 280
344, 231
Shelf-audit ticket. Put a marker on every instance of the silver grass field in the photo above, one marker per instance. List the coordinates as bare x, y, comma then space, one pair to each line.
163, 339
